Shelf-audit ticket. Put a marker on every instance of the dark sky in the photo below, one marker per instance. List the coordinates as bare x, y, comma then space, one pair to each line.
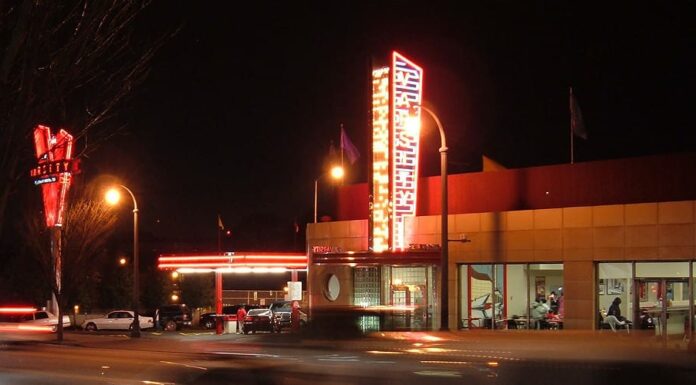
240, 106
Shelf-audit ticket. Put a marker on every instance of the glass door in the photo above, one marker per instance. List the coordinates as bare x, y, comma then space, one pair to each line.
663, 306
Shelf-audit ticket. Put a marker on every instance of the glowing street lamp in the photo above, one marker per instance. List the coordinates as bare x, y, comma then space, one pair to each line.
122, 261
112, 197
413, 126
336, 173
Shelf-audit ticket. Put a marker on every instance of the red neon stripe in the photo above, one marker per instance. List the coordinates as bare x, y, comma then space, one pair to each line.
17, 309
216, 265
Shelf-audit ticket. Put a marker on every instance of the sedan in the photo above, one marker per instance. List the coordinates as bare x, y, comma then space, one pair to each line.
207, 320
117, 320
32, 319
259, 320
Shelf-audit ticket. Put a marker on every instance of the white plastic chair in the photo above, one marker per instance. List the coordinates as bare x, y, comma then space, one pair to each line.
614, 323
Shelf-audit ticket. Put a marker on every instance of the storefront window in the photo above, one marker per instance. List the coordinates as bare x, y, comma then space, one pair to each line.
515, 296
615, 281
546, 306
653, 296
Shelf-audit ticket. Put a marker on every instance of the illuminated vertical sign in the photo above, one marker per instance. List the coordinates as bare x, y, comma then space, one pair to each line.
54, 155
407, 89
394, 151
380, 205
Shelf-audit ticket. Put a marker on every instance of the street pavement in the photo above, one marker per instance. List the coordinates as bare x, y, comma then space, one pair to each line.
481, 357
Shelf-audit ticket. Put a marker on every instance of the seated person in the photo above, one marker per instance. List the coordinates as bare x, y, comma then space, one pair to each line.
615, 310
539, 311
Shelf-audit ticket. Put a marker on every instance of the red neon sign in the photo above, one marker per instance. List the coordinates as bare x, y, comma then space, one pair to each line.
237, 260
54, 155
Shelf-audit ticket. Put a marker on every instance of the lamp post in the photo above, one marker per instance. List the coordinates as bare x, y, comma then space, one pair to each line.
444, 255
113, 196
337, 172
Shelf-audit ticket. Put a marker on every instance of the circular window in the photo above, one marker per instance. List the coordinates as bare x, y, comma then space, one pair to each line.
333, 288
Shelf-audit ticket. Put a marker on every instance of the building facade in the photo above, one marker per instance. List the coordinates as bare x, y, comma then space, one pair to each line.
575, 236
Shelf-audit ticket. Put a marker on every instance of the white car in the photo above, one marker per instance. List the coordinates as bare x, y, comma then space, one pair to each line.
43, 319
117, 320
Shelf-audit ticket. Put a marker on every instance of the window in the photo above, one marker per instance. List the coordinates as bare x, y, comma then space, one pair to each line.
512, 296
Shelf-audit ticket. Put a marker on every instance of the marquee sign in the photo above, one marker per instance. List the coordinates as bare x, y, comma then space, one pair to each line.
407, 87
54, 172
394, 174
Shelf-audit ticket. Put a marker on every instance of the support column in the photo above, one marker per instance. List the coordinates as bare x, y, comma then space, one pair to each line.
218, 303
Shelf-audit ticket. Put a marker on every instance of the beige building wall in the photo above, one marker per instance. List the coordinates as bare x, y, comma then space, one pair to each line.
578, 237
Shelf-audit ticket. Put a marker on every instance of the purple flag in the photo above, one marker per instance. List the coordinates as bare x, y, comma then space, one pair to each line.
348, 147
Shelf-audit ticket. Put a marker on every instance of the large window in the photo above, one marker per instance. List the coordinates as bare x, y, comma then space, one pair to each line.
653, 296
615, 281
512, 296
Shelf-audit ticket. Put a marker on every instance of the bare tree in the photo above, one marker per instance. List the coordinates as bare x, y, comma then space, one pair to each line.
86, 229
67, 64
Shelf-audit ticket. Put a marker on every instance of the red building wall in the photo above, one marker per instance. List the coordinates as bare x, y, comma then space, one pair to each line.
634, 180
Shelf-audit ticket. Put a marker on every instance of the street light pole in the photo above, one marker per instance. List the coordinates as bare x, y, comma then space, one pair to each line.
336, 172
444, 256
135, 331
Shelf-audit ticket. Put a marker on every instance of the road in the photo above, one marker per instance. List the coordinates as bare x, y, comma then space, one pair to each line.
390, 358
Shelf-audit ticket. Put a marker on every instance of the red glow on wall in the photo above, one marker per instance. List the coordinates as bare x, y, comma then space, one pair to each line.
50, 150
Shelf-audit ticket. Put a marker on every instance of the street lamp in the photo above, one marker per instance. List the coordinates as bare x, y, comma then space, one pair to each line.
336, 173
444, 261
112, 197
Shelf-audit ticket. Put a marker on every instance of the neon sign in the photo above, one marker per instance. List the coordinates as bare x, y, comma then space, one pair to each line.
380, 204
53, 174
407, 87
237, 262
394, 151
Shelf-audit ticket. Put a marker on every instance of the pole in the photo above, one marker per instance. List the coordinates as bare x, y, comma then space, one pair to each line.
135, 332
218, 303
219, 327
444, 231
572, 155
444, 248
136, 278
56, 248
316, 182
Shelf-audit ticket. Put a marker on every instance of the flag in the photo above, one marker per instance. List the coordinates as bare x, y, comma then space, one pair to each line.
220, 225
577, 125
347, 146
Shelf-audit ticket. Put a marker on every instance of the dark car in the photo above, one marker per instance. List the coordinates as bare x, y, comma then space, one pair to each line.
208, 320
282, 314
259, 320
174, 317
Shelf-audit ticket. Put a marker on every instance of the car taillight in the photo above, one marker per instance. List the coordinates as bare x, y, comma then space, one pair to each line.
248, 318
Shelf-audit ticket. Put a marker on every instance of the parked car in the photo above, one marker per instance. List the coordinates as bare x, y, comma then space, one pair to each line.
173, 317
282, 314
259, 320
117, 320
39, 318
207, 320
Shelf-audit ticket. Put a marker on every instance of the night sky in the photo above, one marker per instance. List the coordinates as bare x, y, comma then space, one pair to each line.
240, 107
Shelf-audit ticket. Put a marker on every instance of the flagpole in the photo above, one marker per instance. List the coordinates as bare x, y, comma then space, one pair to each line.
219, 230
342, 144
570, 100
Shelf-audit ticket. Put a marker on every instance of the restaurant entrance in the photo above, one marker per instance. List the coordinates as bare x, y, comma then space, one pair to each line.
666, 302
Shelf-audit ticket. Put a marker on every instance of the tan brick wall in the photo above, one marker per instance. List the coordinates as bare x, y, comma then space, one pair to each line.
576, 236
